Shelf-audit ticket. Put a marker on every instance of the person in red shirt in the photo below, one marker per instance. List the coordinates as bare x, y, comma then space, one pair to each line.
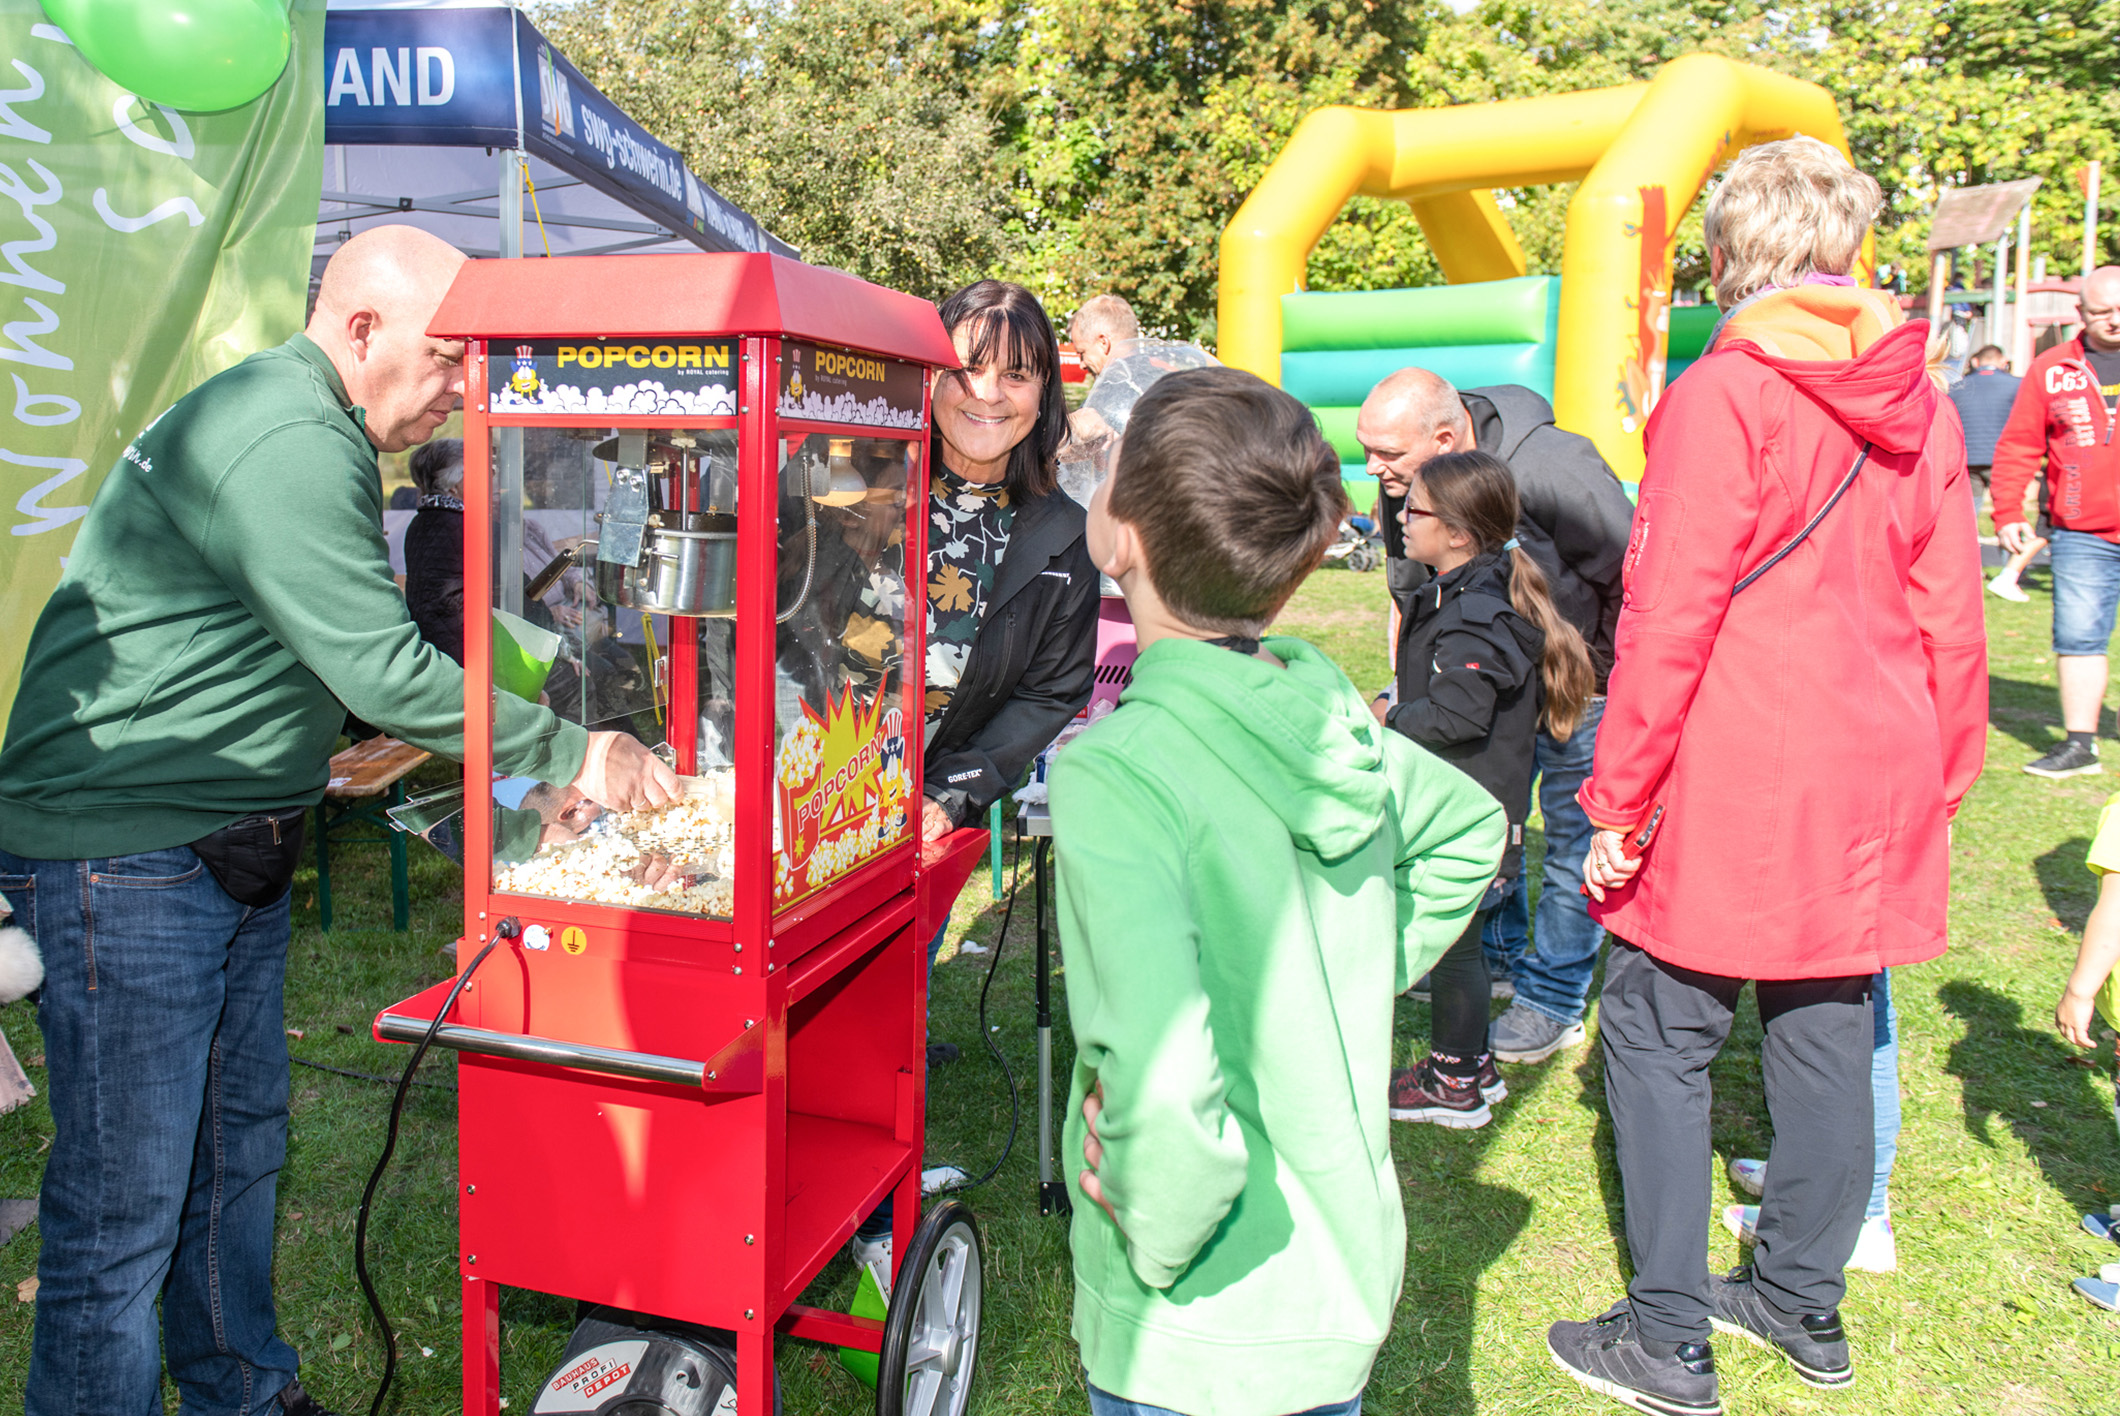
2064, 418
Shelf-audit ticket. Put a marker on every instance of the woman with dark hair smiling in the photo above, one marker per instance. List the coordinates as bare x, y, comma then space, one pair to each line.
1012, 596
1011, 591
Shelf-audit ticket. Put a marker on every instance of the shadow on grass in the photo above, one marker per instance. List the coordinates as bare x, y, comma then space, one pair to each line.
2004, 1067
2070, 889
2031, 712
2028, 712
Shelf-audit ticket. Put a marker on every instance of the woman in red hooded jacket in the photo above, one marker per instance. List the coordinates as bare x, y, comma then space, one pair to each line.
1798, 749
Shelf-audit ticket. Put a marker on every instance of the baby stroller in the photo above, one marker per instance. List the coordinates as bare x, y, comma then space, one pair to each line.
1359, 544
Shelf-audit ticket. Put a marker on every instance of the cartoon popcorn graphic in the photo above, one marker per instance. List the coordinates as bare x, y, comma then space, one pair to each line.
525, 380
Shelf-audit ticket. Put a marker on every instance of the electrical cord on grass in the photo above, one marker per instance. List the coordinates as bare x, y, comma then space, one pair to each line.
363, 1076
986, 1035
397, 1108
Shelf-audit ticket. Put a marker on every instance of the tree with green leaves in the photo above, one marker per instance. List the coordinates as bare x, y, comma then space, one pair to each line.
856, 130
1089, 145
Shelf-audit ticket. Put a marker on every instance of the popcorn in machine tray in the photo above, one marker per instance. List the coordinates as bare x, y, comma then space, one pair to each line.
694, 1060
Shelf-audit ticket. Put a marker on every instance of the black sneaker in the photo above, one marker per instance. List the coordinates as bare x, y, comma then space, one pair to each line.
296, 1402
2069, 758
1608, 1356
1421, 1093
941, 1054
1815, 1344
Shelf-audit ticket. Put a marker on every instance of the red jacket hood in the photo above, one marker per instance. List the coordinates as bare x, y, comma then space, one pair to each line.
1848, 349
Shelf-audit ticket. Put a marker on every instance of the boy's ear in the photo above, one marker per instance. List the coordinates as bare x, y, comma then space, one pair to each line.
1125, 553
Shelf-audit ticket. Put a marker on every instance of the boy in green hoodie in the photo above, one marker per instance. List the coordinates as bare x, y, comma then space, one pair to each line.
1251, 870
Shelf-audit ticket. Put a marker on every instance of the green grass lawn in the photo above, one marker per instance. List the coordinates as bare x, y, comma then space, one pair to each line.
2008, 1137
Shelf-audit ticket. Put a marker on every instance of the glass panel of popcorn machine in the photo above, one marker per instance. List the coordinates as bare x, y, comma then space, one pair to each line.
607, 545
841, 781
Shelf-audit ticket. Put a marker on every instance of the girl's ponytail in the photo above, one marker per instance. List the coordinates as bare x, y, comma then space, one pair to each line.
1565, 666
1475, 492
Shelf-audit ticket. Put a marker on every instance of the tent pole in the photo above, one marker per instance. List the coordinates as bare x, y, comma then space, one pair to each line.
511, 203
1997, 332
2020, 318
508, 442
2090, 218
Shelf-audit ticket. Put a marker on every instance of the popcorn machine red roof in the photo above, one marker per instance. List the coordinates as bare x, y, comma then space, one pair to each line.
695, 1059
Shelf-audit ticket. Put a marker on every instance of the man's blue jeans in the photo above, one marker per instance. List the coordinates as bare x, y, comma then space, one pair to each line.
1553, 979
167, 1052
1103, 1403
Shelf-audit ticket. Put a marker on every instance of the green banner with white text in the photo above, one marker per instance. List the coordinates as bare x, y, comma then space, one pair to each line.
142, 250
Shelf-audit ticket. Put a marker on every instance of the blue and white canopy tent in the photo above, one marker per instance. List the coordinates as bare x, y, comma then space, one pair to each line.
459, 117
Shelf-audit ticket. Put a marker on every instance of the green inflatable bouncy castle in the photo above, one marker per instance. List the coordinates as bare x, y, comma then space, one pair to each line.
1336, 347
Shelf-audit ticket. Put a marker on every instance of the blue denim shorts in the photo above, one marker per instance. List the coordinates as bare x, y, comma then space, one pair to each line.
2086, 591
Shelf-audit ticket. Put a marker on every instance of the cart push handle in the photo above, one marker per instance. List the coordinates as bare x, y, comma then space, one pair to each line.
737, 1068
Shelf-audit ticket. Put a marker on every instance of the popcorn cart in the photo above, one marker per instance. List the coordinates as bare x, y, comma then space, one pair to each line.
694, 1060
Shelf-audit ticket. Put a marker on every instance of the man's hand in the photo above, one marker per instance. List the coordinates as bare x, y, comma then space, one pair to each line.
2016, 537
1093, 1151
1607, 866
2073, 1016
622, 775
935, 823
1381, 706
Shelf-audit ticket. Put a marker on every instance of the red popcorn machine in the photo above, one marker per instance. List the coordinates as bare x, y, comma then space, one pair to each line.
694, 1060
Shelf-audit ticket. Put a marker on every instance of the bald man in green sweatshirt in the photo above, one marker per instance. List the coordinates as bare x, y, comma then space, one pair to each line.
228, 600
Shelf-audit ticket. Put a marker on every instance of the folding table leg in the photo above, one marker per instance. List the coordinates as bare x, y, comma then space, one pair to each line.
400, 881
482, 1347
323, 868
993, 848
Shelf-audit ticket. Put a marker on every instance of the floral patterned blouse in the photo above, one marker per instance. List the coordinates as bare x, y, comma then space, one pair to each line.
968, 525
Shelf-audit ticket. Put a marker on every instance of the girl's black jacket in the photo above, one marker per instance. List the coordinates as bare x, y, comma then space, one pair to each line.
1469, 686
1031, 667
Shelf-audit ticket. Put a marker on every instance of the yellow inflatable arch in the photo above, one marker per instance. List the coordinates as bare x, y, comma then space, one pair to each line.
1642, 153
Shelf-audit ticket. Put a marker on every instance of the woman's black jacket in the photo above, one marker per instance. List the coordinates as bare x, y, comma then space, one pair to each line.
1031, 667
1469, 686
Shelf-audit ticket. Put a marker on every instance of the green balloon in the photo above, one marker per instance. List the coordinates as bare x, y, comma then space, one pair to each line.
200, 55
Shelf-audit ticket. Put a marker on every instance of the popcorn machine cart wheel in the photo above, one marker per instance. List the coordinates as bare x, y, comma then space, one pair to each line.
694, 1060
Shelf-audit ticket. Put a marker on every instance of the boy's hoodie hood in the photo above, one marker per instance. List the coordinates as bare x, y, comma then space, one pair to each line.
1301, 737
1849, 349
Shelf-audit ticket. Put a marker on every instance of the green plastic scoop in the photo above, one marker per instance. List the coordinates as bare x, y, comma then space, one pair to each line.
522, 655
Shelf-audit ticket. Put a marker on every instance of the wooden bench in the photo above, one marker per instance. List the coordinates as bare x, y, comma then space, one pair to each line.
367, 779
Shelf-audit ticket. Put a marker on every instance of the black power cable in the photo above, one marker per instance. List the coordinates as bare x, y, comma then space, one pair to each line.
363, 1076
506, 929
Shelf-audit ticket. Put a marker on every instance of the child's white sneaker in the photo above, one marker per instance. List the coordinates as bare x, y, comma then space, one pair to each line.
1876, 1251
2006, 587
1749, 1176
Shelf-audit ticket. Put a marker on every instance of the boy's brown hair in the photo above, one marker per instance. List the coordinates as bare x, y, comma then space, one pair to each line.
1234, 493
